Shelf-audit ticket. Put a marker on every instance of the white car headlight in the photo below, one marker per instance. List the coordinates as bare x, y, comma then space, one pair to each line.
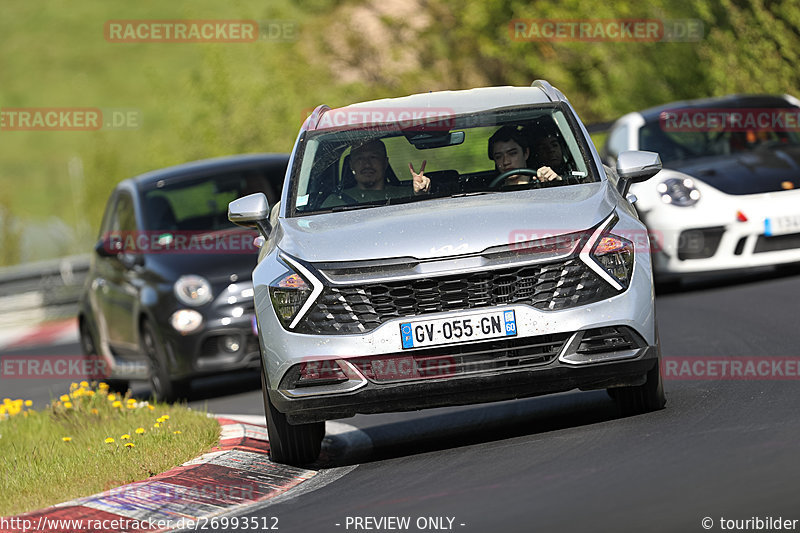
680, 192
193, 290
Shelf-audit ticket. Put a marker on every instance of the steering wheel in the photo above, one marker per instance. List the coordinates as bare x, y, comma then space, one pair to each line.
505, 175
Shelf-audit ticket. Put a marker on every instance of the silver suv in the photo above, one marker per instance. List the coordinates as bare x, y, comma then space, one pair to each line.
449, 248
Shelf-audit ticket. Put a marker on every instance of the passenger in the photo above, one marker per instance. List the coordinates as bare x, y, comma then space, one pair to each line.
369, 164
549, 152
509, 149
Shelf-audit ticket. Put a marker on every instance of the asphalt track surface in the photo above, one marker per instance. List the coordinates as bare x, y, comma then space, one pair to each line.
721, 449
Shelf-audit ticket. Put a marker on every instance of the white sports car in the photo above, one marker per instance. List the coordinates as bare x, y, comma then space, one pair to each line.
728, 197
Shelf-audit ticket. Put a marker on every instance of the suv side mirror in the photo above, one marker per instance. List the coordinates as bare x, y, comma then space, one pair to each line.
251, 211
635, 167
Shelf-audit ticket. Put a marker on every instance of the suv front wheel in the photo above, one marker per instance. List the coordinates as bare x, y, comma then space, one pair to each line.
291, 444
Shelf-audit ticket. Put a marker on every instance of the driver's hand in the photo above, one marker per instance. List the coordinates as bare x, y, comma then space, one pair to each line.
547, 174
422, 183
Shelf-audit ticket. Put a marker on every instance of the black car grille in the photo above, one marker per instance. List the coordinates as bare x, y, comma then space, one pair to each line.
360, 308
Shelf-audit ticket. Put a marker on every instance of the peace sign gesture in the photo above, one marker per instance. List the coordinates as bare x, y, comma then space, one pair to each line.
422, 183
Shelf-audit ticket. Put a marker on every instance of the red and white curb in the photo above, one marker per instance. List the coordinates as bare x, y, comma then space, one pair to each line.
237, 473
44, 334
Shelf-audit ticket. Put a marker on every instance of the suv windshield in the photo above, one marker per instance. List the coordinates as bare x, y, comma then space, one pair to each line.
357, 167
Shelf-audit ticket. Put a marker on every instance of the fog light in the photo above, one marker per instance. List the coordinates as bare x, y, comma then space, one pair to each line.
315, 373
230, 343
186, 321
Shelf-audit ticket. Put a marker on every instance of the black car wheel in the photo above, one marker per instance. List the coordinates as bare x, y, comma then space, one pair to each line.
162, 387
92, 355
291, 444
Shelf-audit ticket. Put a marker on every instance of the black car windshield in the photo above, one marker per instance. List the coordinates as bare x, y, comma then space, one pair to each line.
675, 146
199, 204
342, 168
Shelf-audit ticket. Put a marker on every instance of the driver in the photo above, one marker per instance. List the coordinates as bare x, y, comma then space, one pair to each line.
369, 163
509, 149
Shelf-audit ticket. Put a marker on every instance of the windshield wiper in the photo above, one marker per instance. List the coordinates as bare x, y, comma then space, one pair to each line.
474, 193
338, 208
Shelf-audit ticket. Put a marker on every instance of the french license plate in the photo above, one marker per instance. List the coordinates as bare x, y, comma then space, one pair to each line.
782, 225
475, 326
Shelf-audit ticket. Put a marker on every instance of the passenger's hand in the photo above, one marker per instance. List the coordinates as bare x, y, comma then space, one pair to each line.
422, 183
547, 174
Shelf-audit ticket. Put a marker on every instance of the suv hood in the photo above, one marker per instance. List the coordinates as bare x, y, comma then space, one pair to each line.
445, 227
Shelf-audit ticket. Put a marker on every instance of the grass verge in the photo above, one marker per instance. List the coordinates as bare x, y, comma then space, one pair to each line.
90, 440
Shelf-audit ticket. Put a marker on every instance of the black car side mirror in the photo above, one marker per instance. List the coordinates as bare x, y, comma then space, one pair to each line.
105, 248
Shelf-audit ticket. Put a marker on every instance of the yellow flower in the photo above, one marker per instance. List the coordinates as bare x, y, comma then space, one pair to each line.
109, 440
156, 425
28, 403
89, 393
125, 437
2, 410
139, 431
131, 400
73, 386
129, 445
165, 417
102, 386
112, 397
177, 432
131, 406
160, 420
64, 398
116, 404
84, 384
95, 411
66, 439
150, 407
68, 405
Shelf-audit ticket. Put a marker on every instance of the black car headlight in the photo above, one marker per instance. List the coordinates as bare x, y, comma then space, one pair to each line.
193, 290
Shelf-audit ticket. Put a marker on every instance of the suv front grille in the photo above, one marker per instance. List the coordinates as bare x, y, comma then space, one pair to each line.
360, 308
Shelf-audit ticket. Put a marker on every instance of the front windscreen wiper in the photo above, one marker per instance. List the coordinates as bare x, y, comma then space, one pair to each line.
338, 208
475, 193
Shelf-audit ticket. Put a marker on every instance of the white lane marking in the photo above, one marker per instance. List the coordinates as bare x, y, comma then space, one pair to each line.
258, 420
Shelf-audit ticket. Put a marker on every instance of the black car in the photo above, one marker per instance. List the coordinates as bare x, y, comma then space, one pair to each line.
169, 295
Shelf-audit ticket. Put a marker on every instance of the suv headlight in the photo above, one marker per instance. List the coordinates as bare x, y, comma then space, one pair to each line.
193, 290
293, 293
680, 192
615, 255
